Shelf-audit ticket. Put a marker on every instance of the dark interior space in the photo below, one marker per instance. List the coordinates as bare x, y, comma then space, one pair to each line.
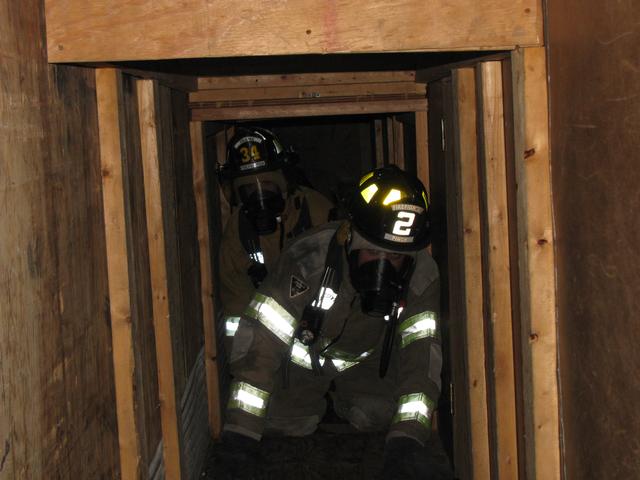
334, 152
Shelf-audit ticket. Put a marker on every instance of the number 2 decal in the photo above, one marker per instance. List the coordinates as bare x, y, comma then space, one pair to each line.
404, 223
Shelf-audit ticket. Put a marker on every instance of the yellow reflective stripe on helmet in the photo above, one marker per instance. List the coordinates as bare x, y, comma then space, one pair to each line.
268, 312
393, 196
365, 178
231, 325
414, 406
300, 355
248, 398
369, 192
416, 327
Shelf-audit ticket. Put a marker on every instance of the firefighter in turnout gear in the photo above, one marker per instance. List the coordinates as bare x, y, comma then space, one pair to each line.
353, 303
271, 211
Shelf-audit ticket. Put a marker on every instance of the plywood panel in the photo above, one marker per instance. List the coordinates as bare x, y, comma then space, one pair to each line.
594, 125
498, 275
422, 148
183, 217
464, 90
206, 279
146, 373
81, 30
56, 372
398, 142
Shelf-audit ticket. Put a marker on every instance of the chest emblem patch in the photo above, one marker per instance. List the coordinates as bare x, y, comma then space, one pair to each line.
297, 287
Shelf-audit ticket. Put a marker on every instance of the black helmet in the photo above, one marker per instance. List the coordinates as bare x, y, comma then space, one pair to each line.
390, 209
252, 150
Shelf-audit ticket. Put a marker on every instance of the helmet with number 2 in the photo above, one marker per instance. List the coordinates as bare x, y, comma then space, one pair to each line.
390, 209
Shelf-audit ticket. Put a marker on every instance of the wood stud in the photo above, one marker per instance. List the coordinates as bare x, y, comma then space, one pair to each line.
110, 111
150, 133
498, 274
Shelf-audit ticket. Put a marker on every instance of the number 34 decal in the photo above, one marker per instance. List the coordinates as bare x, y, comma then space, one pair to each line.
404, 223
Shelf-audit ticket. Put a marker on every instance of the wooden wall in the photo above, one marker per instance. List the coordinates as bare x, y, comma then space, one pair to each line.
57, 416
594, 51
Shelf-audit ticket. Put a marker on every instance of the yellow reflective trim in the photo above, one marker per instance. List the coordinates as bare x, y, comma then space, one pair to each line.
369, 192
424, 197
393, 196
245, 396
365, 178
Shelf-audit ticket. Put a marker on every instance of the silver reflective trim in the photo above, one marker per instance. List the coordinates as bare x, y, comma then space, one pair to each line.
257, 257
342, 365
268, 312
248, 398
414, 406
342, 360
231, 325
300, 355
326, 298
418, 326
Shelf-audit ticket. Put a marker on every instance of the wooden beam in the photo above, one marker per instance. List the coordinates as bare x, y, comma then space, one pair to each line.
378, 131
437, 72
308, 91
422, 148
537, 262
221, 139
150, 121
307, 110
95, 30
466, 146
391, 141
398, 142
110, 111
184, 83
304, 79
498, 267
206, 279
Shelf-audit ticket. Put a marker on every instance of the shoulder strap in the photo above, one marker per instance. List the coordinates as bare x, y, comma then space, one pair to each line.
313, 314
304, 219
251, 243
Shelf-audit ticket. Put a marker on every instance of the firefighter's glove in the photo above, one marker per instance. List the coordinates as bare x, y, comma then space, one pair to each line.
237, 457
406, 459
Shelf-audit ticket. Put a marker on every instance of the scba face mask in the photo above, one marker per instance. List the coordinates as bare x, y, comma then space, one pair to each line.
380, 278
262, 203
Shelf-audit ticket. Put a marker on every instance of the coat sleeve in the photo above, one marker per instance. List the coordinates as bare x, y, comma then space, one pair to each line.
261, 343
419, 354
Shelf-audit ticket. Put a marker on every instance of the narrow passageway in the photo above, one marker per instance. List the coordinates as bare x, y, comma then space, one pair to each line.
335, 451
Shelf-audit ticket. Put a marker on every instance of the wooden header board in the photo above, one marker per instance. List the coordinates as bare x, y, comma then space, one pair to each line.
99, 31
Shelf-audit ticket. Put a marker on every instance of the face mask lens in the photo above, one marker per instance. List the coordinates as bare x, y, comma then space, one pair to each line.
261, 195
262, 202
380, 278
